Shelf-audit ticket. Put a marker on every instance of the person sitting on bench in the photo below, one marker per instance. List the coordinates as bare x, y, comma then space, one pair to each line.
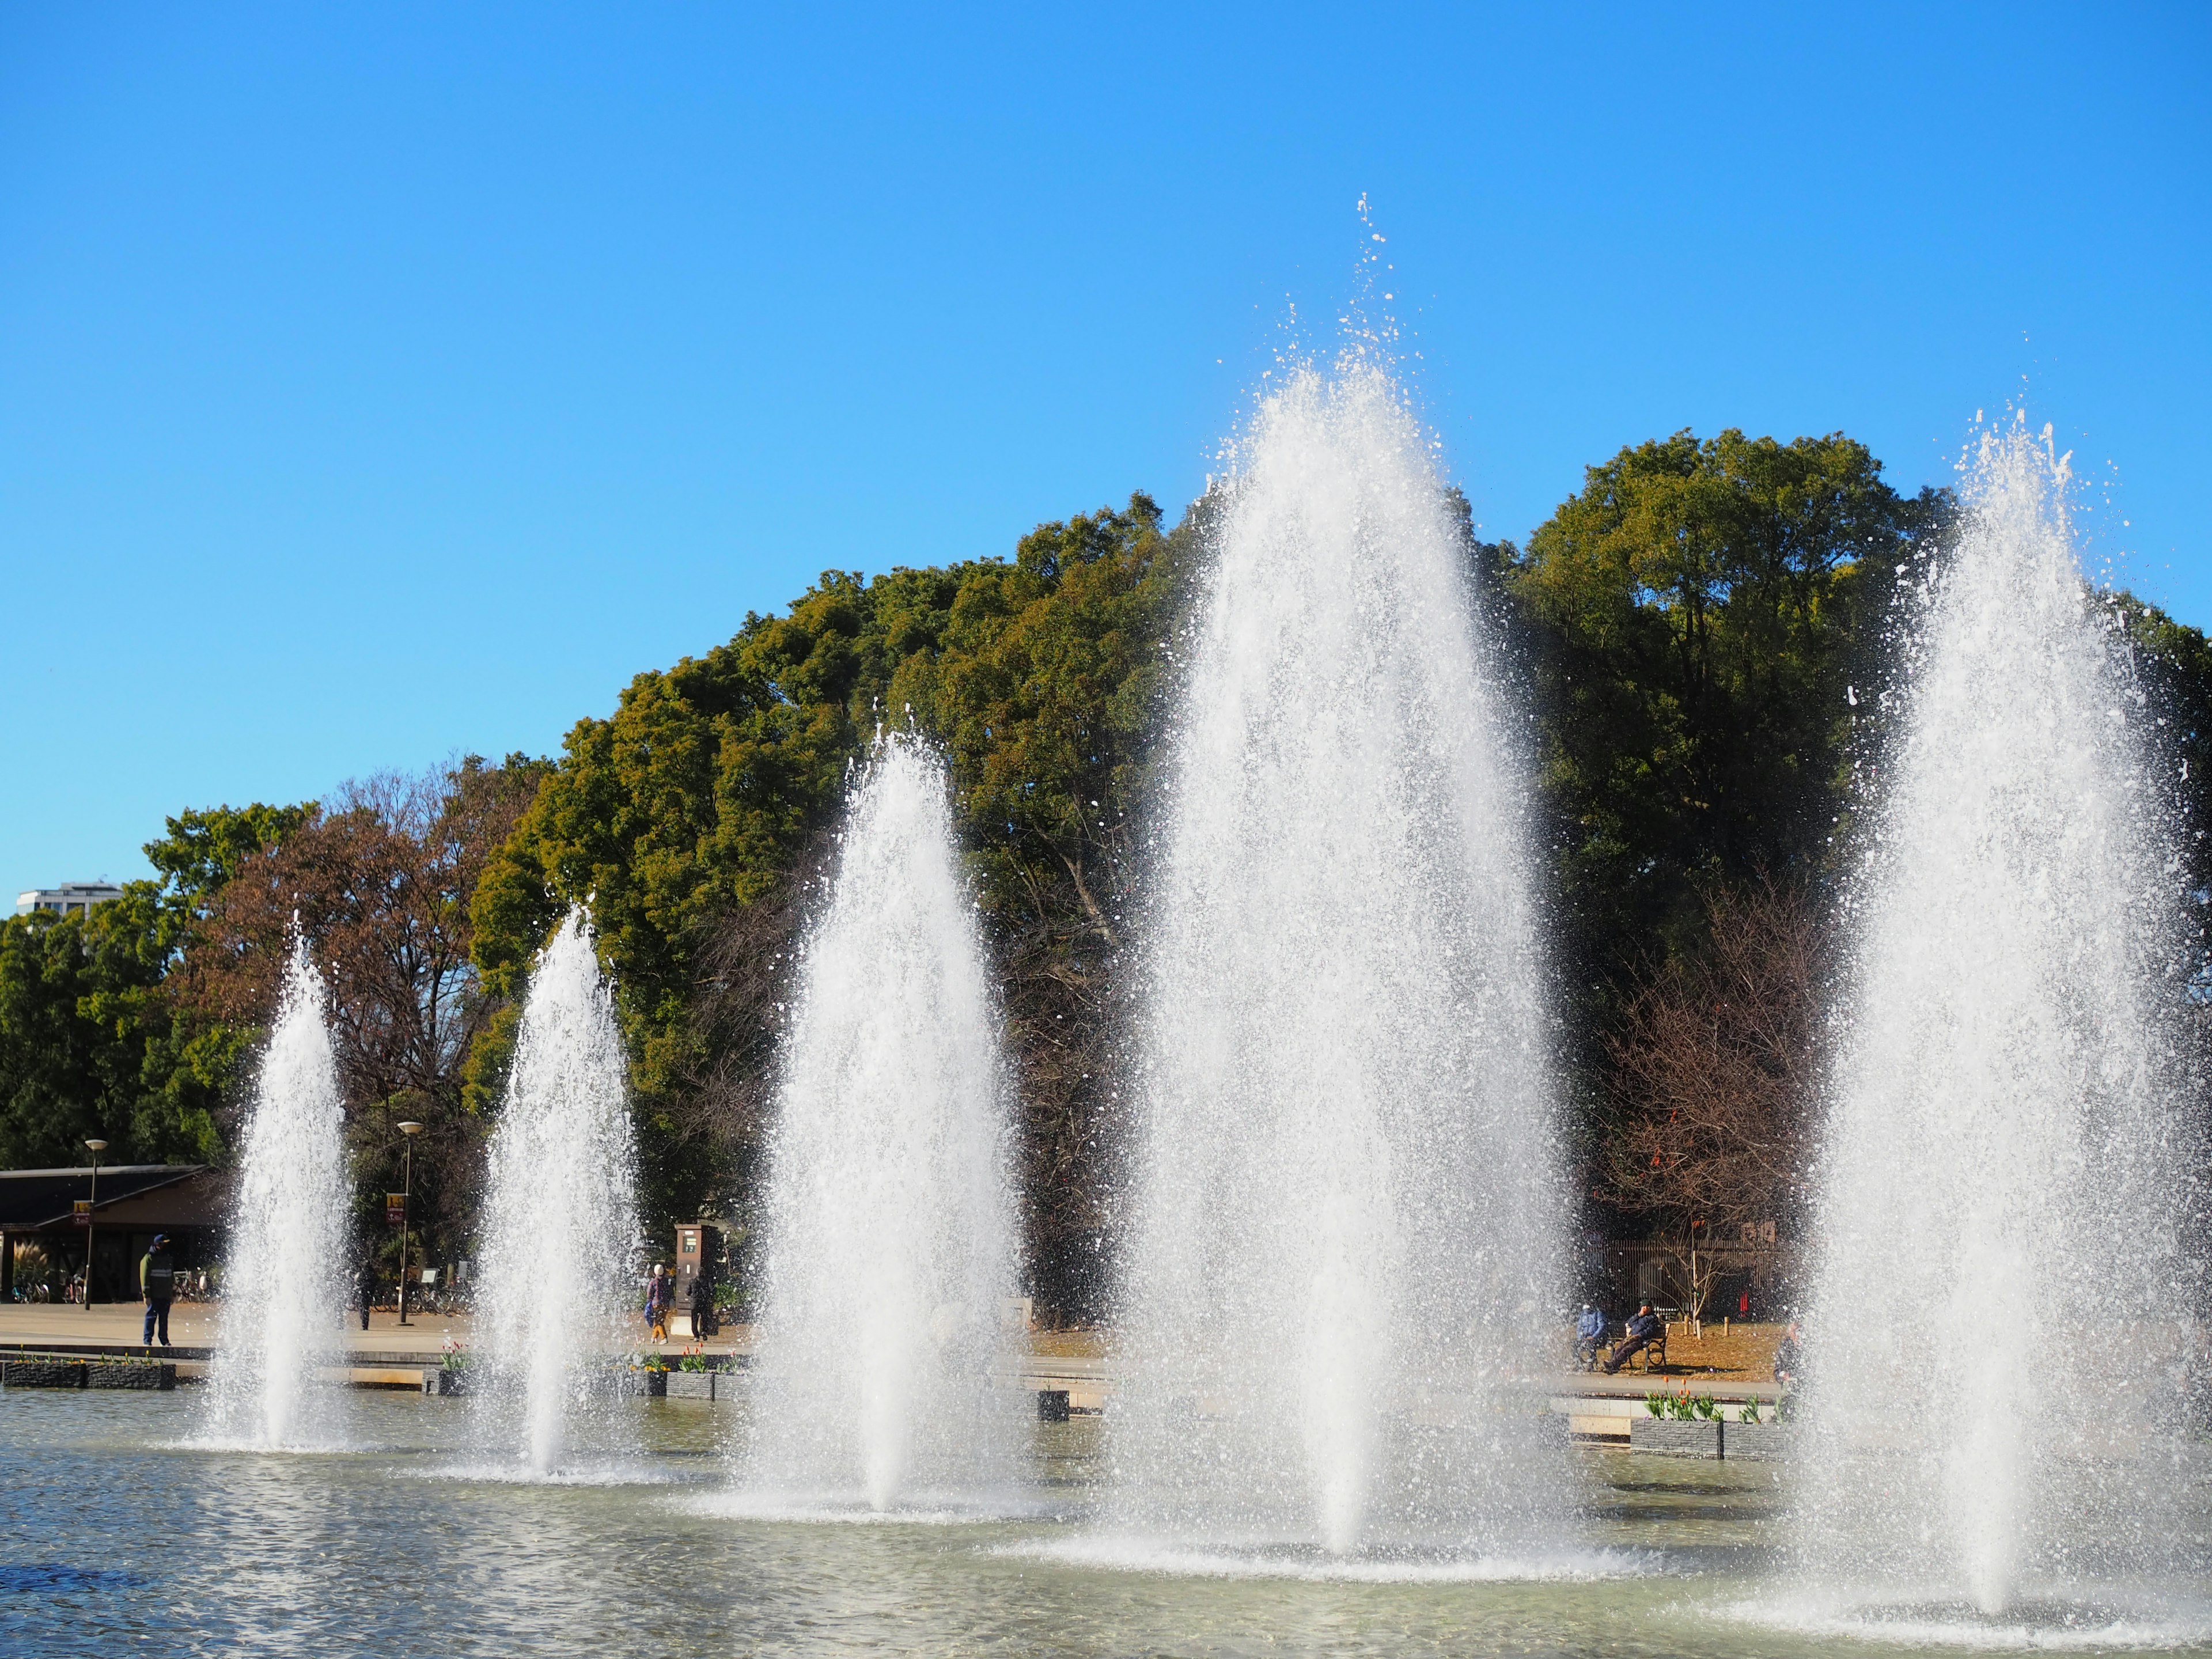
1643, 1330
1589, 1335
1787, 1359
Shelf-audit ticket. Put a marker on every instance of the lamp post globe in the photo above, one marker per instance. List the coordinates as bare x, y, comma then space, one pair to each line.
97, 1147
406, 1211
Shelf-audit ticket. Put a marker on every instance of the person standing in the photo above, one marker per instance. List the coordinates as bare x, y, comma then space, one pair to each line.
702, 1308
660, 1296
157, 1285
366, 1286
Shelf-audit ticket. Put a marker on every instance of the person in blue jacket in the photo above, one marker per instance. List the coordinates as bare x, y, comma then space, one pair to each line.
1589, 1335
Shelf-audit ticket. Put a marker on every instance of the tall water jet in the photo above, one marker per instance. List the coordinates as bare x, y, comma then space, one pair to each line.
890, 1230
2001, 1171
1345, 1218
560, 1224
282, 1298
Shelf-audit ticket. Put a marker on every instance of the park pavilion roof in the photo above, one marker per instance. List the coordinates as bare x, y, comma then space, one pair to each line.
32, 1199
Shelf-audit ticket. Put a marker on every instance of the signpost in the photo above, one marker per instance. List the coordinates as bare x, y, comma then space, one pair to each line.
84, 1218
395, 1209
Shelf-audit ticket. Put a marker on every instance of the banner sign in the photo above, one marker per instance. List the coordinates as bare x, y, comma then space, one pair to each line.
83, 1217
395, 1209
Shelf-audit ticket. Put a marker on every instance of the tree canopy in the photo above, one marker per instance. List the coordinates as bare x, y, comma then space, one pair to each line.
1703, 631
92, 1041
1695, 619
705, 795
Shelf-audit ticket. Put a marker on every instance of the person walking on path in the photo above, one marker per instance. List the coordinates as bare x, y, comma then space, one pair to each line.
366, 1286
1589, 1336
157, 1284
1642, 1331
660, 1296
702, 1308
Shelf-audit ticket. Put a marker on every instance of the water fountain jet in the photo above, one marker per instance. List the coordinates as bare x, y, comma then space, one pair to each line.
889, 1227
560, 1225
1345, 1217
2001, 1167
282, 1297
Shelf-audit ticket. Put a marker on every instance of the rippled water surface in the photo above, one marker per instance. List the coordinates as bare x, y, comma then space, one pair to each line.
118, 1536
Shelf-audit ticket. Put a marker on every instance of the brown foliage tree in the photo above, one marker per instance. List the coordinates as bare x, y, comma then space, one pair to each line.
1713, 1076
376, 882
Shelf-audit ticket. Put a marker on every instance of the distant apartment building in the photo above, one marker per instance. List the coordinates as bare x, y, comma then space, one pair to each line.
71, 898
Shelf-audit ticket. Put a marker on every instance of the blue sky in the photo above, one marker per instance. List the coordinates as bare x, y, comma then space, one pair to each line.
383, 383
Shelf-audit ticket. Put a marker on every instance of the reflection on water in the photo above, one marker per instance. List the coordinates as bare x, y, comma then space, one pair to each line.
115, 1534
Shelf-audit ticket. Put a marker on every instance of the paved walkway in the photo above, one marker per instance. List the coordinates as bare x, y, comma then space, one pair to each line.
194, 1324
1088, 1378
35, 1324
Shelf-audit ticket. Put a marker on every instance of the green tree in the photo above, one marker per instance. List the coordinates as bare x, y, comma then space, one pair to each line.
1699, 620
1045, 688
89, 1045
205, 847
93, 1041
2173, 662
691, 801
693, 806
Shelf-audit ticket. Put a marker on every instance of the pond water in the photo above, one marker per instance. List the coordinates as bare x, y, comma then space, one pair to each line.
119, 1535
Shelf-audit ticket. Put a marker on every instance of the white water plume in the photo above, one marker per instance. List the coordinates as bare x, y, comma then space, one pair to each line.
282, 1296
1345, 1216
560, 1224
2000, 1280
889, 1228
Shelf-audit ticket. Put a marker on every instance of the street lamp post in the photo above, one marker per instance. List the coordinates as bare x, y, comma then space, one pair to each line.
97, 1147
406, 1211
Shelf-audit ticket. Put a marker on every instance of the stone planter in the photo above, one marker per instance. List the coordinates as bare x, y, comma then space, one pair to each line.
151, 1374
130, 1374
655, 1384
1754, 1442
690, 1385
436, 1379
42, 1374
1671, 1438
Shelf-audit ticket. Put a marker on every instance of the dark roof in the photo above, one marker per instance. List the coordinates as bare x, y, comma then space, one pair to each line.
41, 1197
